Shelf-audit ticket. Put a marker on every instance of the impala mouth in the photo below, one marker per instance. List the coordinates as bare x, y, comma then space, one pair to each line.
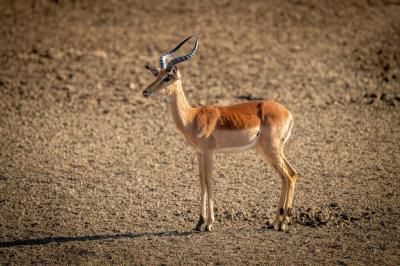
147, 94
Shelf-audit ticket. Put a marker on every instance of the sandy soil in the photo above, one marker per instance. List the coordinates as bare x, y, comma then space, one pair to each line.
93, 173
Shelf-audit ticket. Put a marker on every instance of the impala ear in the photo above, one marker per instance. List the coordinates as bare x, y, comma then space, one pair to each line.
152, 69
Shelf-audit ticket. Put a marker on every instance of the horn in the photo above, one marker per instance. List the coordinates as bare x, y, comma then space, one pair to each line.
164, 57
181, 59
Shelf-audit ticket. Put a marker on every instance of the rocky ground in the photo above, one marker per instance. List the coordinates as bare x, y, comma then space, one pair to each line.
93, 173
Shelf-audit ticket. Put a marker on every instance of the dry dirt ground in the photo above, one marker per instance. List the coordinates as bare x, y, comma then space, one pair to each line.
93, 173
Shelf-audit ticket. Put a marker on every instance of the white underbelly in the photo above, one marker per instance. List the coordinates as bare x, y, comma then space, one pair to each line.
235, 140
237, 148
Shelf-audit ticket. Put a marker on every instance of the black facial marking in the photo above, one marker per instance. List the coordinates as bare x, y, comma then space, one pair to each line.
281, 211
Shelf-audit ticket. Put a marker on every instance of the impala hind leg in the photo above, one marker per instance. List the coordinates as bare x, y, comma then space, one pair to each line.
288, 176
278, 222
203, 194
274, 155
290, 191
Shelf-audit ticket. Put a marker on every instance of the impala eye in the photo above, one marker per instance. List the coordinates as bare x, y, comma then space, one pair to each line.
167, 79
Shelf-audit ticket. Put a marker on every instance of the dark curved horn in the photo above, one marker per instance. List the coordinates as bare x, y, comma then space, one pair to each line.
164, 57
181, 59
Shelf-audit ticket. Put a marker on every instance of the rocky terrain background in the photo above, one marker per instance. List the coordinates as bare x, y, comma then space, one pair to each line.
93, 173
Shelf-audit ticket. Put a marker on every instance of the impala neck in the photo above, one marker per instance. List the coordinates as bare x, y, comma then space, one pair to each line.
180, 108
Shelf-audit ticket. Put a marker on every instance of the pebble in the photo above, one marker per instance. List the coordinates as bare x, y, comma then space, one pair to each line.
100, 53
132, 86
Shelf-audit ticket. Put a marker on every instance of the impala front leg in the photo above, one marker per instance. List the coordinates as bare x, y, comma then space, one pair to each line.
203, 194
208, 167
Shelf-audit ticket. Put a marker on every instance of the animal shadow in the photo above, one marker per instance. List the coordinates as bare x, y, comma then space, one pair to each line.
65, 239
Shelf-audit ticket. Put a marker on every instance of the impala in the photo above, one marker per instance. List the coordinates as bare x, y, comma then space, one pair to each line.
261, 125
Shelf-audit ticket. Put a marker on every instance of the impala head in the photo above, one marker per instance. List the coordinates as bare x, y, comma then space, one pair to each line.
167, 75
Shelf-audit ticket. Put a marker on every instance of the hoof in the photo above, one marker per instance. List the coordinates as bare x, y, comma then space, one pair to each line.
282, 227
273, 226
208, 228
197, 229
